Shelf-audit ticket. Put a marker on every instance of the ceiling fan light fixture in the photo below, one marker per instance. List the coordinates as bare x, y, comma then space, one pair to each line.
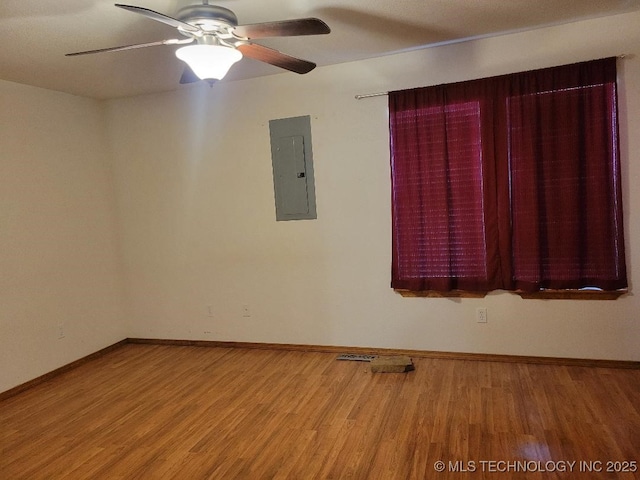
209, 61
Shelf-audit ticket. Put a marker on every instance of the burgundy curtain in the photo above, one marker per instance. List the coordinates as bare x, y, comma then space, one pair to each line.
439, 162
566, 199
509, 182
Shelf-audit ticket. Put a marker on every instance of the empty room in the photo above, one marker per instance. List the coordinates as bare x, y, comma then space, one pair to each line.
319, 239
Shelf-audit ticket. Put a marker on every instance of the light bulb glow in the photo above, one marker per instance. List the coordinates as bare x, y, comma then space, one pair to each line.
209, 61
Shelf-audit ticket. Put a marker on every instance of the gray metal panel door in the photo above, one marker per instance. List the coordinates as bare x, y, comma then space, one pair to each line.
292, 168
292, 176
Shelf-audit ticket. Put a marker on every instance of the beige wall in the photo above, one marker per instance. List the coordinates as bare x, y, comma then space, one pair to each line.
194, 189
58, 258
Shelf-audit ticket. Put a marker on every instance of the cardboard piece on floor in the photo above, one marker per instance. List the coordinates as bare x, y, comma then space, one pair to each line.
395, 364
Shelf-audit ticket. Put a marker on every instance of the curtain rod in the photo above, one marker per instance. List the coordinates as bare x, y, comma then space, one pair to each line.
369, 95
382, 94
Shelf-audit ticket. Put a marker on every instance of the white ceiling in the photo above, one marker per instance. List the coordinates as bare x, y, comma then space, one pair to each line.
35, 35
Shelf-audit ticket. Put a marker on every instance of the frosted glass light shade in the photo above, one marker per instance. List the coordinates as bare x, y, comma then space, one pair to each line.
209, 61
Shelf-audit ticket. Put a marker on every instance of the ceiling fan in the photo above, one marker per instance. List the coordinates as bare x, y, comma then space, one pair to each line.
218, 41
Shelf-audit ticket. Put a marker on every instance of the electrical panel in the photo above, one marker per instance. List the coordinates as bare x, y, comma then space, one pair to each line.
292, 160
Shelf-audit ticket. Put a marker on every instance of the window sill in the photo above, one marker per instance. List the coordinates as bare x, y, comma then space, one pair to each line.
542, 295
572, 295
434, 294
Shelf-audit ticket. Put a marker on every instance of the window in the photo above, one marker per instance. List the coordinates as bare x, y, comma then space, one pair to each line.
509, 182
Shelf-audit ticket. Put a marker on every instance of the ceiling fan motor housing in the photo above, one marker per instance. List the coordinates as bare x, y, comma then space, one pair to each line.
207, 17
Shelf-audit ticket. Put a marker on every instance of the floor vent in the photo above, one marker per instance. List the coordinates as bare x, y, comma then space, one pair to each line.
355, 357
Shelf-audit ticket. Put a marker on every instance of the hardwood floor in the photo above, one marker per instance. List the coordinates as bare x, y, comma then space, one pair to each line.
156, 412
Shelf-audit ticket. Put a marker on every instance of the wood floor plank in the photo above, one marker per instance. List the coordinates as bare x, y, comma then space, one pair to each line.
174, 412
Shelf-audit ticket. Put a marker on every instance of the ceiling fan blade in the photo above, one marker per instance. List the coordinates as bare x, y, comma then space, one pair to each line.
285, 28
173, 41
159, 17
274, 57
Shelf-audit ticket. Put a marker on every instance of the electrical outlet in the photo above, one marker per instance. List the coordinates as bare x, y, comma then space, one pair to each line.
481, 315
246, 313
60, 331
